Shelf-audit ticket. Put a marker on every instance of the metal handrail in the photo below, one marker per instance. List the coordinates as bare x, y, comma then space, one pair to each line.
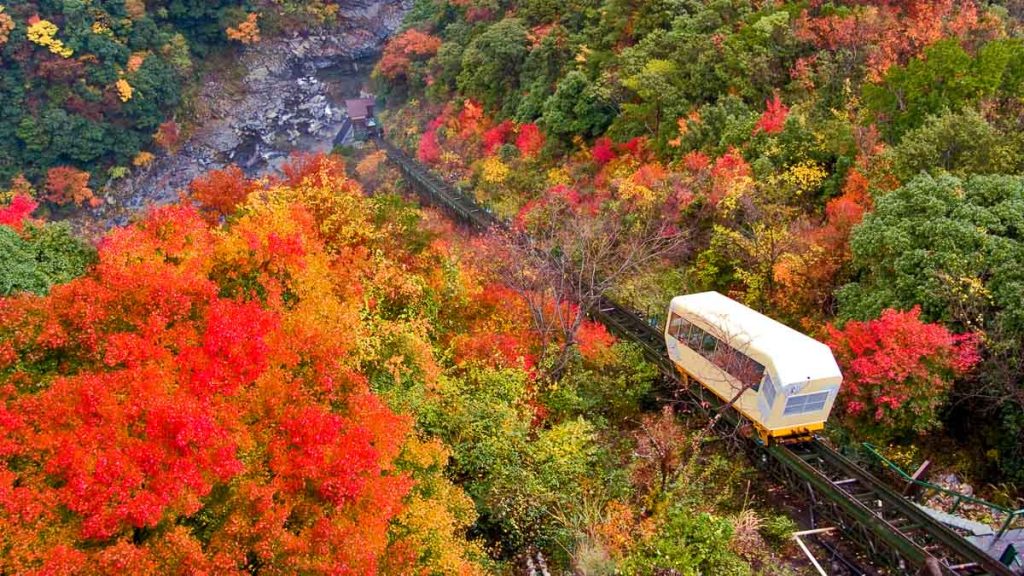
958, 498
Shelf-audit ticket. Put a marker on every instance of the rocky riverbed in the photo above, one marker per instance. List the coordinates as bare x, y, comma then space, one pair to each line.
288, 99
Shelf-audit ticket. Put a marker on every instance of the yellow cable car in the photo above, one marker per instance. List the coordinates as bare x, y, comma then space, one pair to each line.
783, 381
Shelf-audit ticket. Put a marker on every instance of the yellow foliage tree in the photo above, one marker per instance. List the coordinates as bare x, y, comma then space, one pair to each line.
143, 159
493, 170
437, 512
558, 176
805, 177
124, 90
42, 32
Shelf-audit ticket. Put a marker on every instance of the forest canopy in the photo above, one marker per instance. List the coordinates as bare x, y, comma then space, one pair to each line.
827, 162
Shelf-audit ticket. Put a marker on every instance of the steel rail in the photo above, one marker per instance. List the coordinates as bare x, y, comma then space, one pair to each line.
882, 522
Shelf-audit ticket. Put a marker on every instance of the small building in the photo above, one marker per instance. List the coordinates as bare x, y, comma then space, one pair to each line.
360, 110
359, 120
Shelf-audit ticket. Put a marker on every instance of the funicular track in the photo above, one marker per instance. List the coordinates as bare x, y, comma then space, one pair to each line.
890, 530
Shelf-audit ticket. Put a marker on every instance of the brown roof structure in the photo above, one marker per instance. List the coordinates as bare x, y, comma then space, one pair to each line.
359, 108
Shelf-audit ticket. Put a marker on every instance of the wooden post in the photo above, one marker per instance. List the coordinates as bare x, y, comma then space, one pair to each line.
911, 488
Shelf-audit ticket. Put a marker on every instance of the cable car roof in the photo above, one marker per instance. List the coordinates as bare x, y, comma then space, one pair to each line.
795, 357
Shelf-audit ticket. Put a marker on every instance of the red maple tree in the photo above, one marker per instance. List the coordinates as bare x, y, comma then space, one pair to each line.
898, 369
603, 150
429, 151
17, 212
172, 411
530, 140
497, 135
773, 120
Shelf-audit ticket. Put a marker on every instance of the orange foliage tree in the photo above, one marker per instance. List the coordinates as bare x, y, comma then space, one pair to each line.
247, 31
808, 275
403, 49
67, 185
219, 192
195, 403
889, 33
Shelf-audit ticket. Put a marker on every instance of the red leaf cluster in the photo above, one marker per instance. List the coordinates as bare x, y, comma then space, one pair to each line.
727, 169
898, 368
18, 211
530, 140
498, 135
593, 339
604, 150
498, 334
773, 120
696, 161
429, 151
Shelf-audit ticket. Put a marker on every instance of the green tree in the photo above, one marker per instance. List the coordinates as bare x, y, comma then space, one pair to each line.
578, 107
541, 72
615, 388
41, 257
944, 77
959, 142
491, 64
948, 244
658, 100
530, 486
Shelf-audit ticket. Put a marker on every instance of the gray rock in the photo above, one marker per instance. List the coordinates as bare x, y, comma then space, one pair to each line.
283, 103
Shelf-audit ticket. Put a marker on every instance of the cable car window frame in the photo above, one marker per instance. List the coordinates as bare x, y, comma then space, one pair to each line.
709, 345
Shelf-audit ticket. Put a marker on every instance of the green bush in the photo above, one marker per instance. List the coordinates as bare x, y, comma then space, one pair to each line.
689, 543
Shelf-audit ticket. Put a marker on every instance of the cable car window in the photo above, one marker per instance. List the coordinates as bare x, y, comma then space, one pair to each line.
684, 330
749, 371
677, 327
769, 389
694, 338
708, 345
805, 403
723, 357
